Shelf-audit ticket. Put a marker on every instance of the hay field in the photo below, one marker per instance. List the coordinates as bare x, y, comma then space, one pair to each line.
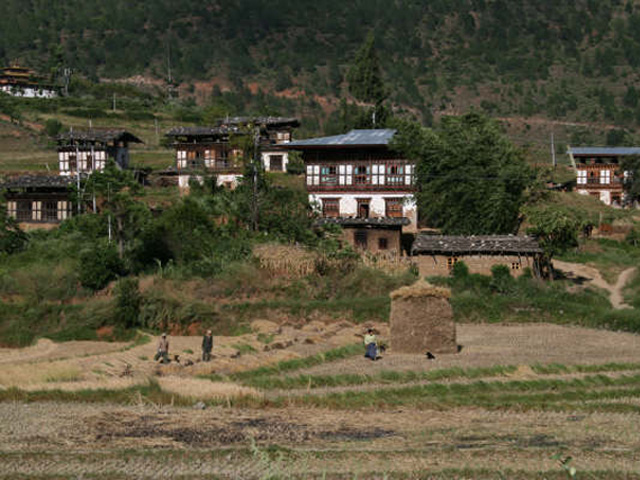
519, 401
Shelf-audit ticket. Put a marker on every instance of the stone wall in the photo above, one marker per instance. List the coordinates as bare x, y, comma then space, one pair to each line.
430, 265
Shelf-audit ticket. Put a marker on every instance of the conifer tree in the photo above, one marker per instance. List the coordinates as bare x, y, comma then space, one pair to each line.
365, 76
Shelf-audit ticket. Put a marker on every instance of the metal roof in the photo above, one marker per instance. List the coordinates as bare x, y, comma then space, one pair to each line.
605, 151
384, 222
481, 244
373, 137
98, 135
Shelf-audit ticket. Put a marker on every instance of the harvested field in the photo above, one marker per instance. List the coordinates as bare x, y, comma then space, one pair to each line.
519, 344
67, 441
514, 403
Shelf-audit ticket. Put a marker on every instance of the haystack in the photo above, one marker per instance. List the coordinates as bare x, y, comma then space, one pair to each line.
422, 320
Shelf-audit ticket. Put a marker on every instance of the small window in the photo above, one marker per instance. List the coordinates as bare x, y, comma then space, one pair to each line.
275, 163
516, 265
363, 208
451, 261
330, 207
383, 244
360, 238
394, 207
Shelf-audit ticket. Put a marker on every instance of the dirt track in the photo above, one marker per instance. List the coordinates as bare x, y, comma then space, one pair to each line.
593, 276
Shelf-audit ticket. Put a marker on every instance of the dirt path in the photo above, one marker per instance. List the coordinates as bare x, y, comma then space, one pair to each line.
593, 276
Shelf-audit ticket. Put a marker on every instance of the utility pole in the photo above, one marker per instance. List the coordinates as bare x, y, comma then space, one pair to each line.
254, 196
78, 177
109, 215
553, 153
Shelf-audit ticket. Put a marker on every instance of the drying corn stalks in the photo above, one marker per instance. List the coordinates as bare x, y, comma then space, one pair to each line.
289, 260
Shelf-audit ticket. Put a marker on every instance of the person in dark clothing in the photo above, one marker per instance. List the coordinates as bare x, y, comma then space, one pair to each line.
163, 349
207, 346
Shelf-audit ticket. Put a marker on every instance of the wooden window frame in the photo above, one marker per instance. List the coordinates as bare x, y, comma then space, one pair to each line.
331, 207
390, 211
361, 239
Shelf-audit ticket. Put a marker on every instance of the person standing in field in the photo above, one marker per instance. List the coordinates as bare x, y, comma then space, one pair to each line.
371, 345
163, 349
207, 346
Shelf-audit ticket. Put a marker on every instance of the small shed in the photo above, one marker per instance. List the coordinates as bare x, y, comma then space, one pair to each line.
422, 320
437, 254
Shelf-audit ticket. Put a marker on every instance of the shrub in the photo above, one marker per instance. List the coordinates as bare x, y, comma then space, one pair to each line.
99, 265
52, 126
295, 166
501, 280
128, 301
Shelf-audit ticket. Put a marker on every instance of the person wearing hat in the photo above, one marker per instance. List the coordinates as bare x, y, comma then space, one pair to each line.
207, 346
163, 349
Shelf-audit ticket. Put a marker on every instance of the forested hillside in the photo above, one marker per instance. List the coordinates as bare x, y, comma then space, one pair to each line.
574, 61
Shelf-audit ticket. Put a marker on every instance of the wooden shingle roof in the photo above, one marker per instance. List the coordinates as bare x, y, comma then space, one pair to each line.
479, 245
98, 135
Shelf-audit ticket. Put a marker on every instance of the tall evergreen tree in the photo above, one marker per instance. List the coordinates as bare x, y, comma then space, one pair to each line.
365, 76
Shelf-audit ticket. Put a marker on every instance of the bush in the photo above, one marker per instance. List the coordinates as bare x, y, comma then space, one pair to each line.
295, 166
99, 265
53, 127
128, 302
501, 280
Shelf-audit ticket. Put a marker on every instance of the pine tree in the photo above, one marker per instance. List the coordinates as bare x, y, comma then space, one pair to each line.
365, 76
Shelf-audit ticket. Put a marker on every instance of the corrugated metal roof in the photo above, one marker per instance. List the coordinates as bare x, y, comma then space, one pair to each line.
605, 151
381, 136
481, 244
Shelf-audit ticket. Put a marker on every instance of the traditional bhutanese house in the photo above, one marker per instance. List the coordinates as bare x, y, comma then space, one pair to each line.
437, 254
22, 82
598, 171
211, 149
87, 151
275, 133
356, 177
38, 200
376, 235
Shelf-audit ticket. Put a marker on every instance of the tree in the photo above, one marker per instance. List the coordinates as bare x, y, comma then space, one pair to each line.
115, 191
470, 179
631, 165
365, 77
128, 301
12, 238
556, 229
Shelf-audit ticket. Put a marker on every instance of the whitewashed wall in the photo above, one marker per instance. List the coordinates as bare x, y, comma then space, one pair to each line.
28, 92
266, 160
230, 179
377, 205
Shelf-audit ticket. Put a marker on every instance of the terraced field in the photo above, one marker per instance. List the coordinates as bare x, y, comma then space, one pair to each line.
519, 401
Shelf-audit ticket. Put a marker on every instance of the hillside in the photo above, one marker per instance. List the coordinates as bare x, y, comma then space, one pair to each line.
572, 63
